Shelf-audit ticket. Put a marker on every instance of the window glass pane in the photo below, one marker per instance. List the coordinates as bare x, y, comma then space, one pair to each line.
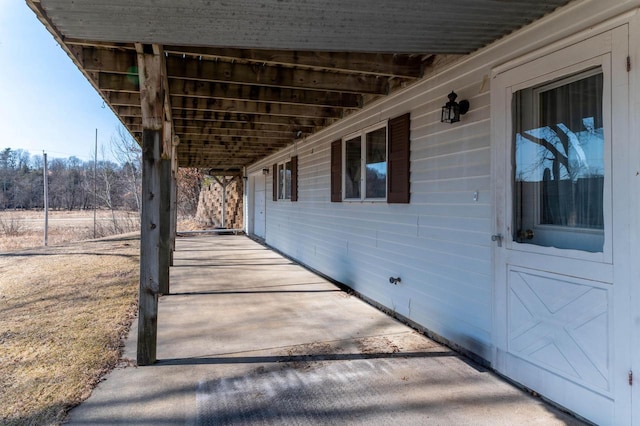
559, 164
287, 180
352, 168
376, 163
280, 181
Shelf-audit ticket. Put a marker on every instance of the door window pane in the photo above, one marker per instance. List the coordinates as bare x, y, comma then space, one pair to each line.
559, 164
353, 167
376, 163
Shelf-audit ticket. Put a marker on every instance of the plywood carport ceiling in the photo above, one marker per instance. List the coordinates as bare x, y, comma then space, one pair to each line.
245, 78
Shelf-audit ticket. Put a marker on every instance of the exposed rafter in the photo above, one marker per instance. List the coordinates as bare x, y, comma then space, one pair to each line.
223, 102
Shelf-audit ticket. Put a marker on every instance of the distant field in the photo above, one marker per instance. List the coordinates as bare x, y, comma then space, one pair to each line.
25, 229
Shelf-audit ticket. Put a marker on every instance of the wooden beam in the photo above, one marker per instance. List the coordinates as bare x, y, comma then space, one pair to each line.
219, 160
109, 60
217, 118
168, 114
101, 44
123, 98
229, 117
128, 111
132, 122
256, 92
223, 105
117, 82
187, 126
230, 147
409, 66
110, 63
224, 167
274, 76
260, 134
213, 140
152, 97
120, 58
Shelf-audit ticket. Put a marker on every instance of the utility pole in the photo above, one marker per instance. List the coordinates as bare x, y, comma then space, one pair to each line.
46, 199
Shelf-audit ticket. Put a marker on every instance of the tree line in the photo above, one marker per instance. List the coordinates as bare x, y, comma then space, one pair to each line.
74, 184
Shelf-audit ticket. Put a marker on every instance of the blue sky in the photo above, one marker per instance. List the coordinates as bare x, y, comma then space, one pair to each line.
45, 101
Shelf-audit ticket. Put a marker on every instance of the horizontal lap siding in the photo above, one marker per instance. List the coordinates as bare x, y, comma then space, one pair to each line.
439, 244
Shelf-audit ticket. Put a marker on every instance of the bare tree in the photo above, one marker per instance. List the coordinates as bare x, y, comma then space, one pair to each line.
189, 183
127, 152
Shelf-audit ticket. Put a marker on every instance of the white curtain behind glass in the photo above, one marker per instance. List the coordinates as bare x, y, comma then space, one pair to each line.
559, 163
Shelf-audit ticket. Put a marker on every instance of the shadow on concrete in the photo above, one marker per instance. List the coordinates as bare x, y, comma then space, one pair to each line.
229, 264
202, 293
302, 358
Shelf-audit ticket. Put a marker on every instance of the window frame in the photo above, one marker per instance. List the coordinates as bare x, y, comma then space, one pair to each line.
576, 235
284, 190
362, 134
530, 77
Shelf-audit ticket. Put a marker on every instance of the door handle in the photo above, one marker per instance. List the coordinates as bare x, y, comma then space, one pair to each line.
497, 238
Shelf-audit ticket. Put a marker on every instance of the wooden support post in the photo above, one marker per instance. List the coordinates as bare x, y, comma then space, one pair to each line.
165, 226
174, 197
149, 248
173, 217
152, 103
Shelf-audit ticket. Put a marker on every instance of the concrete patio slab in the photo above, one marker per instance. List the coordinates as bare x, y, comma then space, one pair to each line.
248, 337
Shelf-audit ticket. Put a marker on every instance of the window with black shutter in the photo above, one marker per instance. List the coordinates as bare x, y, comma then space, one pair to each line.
373, 164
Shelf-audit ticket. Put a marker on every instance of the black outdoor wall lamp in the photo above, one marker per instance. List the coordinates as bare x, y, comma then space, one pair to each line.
452, 110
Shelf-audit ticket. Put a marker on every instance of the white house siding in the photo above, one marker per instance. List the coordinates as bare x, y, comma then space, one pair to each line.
440, 243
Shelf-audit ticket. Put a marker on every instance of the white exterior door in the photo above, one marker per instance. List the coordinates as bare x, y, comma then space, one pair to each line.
259, 204
561, 313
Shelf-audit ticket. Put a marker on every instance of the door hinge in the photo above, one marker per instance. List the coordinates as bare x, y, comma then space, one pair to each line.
628, 63
630, 378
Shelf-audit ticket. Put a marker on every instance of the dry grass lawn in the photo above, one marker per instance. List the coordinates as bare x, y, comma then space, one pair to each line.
63, 313
25, 228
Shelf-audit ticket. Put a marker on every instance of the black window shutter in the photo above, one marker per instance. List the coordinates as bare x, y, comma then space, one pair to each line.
294, 178
336, 171
399, 149
275, 182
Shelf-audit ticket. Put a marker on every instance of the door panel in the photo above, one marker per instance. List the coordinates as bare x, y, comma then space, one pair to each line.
558, 310
561, 324
259, 200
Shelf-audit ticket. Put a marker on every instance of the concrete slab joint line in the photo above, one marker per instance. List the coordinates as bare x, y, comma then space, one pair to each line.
249, 337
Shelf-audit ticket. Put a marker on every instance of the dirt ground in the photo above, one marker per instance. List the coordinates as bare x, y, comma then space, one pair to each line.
63, 313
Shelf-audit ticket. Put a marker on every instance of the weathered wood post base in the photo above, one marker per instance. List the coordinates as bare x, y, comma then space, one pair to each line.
149, 247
